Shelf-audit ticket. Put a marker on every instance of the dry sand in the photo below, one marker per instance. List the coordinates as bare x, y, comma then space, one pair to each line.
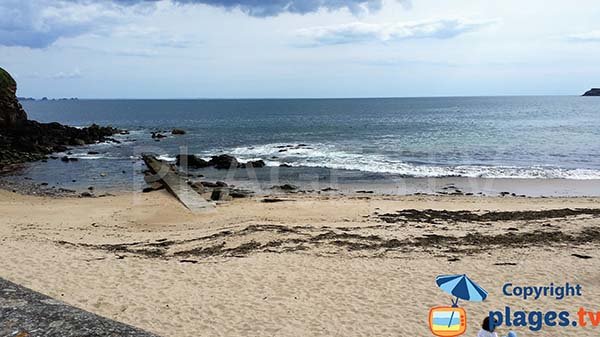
314, 266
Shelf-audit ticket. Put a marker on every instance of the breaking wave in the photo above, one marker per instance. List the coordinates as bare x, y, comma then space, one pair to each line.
329, 156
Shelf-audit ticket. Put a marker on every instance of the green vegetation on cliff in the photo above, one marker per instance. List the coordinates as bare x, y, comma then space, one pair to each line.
6, 81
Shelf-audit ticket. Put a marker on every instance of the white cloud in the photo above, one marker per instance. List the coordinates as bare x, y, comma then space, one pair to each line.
61, 75
38, 23
365, 32
75, 73
591, 36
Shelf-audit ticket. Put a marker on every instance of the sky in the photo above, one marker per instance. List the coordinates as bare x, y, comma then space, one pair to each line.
299, 48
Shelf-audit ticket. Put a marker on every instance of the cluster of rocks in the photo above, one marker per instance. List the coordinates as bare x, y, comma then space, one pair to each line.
158, 135
220, 162
220, 191
453, 190
31, 141
23, 140
285, 148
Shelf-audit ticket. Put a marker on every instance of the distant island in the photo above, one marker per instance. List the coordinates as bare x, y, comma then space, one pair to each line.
22, 99
593, 92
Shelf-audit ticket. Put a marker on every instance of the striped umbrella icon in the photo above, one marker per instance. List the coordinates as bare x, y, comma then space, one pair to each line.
461, 287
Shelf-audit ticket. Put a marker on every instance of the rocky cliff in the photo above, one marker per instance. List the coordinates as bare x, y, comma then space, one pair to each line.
593, 92
11, 111
23, 140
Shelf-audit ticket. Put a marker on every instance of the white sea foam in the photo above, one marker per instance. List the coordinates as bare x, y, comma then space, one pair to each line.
329, 156
166, 157
86, 156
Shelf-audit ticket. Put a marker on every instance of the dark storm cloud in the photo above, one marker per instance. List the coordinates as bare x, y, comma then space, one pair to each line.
40, 23
261, 8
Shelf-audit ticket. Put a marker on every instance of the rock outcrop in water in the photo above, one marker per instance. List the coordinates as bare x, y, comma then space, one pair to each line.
593, 92
220, 162
23, 140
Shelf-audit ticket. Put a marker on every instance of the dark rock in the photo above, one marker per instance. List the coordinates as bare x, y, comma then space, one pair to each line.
77, 142
285, 165
287, 187
198, 187
192, 161
155, 186
220, 195
593, 92
23, 140
178, 132
86, 195
239, 193
93, 152
158, 135
213, 185
11, 111
255, 164
223, 162
31, 141
67, 159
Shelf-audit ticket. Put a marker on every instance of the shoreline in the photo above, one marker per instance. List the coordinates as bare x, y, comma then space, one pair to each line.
452, 186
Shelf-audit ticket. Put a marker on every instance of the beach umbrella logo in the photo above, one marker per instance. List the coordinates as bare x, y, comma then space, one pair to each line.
451, 321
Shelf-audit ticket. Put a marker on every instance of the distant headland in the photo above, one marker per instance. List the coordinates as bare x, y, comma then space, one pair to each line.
22, 139
21, 99
593, 92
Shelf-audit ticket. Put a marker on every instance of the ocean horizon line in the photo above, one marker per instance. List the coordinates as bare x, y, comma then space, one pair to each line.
277, 98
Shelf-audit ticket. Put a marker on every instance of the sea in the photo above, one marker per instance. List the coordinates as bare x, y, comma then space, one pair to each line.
395, 144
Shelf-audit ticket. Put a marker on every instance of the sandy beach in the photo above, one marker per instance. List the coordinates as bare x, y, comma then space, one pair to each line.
299, 168
307, 266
